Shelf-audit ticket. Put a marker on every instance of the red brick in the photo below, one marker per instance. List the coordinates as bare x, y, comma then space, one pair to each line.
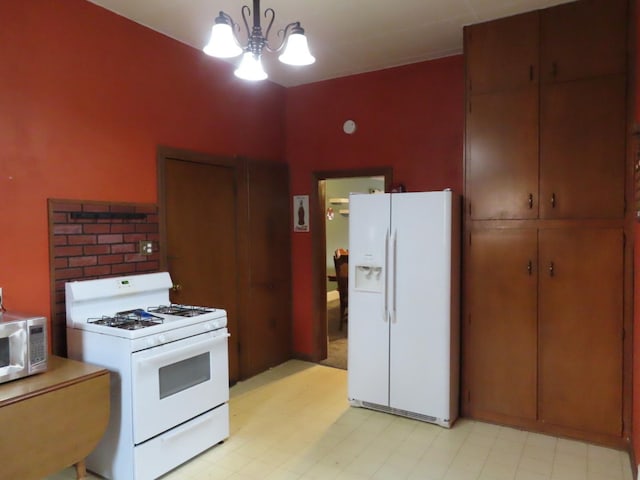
123, 268
59, 217
83, 261
67, 273
124, 248
147, 227
96, 228
110, 259
59, 239
62, 206
67, 251
148, 208
135, 257
147, 266
61, 262
152, 219
134, 237
123, 208
114, 238
123, 228
97, 249
97, 271
81, 239
60, 296
66, 229
95, 207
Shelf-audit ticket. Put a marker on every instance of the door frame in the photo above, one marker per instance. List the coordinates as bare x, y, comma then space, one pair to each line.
319, 246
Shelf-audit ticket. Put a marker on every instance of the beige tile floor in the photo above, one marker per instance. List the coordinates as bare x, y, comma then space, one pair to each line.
294, 423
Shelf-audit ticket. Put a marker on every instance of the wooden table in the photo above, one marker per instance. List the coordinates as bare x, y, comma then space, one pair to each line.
52, 420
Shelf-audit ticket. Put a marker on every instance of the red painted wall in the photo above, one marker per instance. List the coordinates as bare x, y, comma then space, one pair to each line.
410, 118
86, 96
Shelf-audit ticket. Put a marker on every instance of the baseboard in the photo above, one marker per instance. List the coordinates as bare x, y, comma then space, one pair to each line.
333, 295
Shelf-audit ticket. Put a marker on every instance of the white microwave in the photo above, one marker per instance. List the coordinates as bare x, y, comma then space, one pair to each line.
23, 345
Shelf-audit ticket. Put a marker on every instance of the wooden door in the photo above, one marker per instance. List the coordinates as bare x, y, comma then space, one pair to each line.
583, 39
502, 155
500, 325
200, 209
581, 309
267, 330
582, 148
502, 54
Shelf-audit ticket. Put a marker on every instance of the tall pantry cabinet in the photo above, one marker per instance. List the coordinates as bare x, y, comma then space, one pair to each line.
544, 250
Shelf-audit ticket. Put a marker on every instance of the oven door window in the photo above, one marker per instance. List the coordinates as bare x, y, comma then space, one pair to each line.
175, 382
5, 352
184, 374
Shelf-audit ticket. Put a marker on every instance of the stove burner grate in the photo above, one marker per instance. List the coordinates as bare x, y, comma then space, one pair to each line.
128, 320
180, 310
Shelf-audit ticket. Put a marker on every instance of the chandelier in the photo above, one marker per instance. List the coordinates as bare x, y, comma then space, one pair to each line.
224, 42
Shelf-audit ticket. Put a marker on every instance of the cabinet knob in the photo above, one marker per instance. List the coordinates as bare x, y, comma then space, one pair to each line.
551, 269
553, 200
529, 267
531, 200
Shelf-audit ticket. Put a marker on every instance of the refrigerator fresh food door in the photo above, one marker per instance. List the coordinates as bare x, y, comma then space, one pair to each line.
368, 355
420, 299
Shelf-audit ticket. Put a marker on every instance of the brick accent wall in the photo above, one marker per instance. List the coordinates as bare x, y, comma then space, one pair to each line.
91, 240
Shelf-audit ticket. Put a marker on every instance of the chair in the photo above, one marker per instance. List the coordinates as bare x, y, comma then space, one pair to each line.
341, 263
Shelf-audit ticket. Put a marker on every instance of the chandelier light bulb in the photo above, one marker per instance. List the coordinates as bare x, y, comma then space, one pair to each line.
222, 43
250, 68
296, 51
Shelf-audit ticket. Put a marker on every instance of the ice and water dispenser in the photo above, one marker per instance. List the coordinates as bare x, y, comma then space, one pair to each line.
369, 275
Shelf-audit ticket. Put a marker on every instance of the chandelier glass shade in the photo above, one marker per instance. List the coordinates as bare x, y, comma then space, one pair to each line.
224, 42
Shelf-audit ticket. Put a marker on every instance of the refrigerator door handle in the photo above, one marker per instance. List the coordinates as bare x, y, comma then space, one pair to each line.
386, 277
395, 275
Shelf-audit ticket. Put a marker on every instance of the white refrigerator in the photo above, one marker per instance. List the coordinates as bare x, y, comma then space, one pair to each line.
403, 317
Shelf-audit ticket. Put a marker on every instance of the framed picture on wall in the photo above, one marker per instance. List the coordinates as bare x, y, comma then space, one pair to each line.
301, 213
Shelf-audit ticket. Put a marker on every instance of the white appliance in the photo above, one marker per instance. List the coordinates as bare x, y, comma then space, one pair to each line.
403, 322
169, 364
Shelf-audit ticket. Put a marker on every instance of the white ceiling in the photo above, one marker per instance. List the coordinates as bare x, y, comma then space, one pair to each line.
345, 36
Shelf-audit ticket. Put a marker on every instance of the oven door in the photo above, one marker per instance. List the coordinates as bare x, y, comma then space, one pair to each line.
175, 382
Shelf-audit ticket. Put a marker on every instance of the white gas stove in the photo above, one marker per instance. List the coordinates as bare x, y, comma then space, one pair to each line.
169, 384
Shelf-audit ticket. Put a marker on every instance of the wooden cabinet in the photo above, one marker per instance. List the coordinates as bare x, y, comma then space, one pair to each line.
583, 39
582, 148
576, 139
581, 329
501, 324
546, 273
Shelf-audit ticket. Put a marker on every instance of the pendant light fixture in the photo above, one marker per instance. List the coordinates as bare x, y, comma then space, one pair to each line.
224, 42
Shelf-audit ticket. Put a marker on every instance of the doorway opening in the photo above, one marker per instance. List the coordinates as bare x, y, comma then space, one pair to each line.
330, 211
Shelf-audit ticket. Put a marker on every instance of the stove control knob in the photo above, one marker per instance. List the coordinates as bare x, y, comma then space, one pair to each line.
150, 342
162, 339
207, 326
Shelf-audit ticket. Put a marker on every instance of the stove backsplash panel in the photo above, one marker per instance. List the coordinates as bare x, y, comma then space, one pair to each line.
88, 240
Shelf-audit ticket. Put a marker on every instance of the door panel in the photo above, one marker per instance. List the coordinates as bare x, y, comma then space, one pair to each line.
583, 39
582, 148
201, 240
502, 54
501, 323
581, 300
502, 155
368, 353
268, 327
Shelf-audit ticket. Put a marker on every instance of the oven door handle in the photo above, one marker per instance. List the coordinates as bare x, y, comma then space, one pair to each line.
171, 354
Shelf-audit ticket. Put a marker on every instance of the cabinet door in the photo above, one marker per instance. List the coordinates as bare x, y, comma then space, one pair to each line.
583, 39
502, 54
580, 355
582, 148
501, 324
502, 155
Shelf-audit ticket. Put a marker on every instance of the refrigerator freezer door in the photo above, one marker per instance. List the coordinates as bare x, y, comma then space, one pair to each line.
420, 370
368, 355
